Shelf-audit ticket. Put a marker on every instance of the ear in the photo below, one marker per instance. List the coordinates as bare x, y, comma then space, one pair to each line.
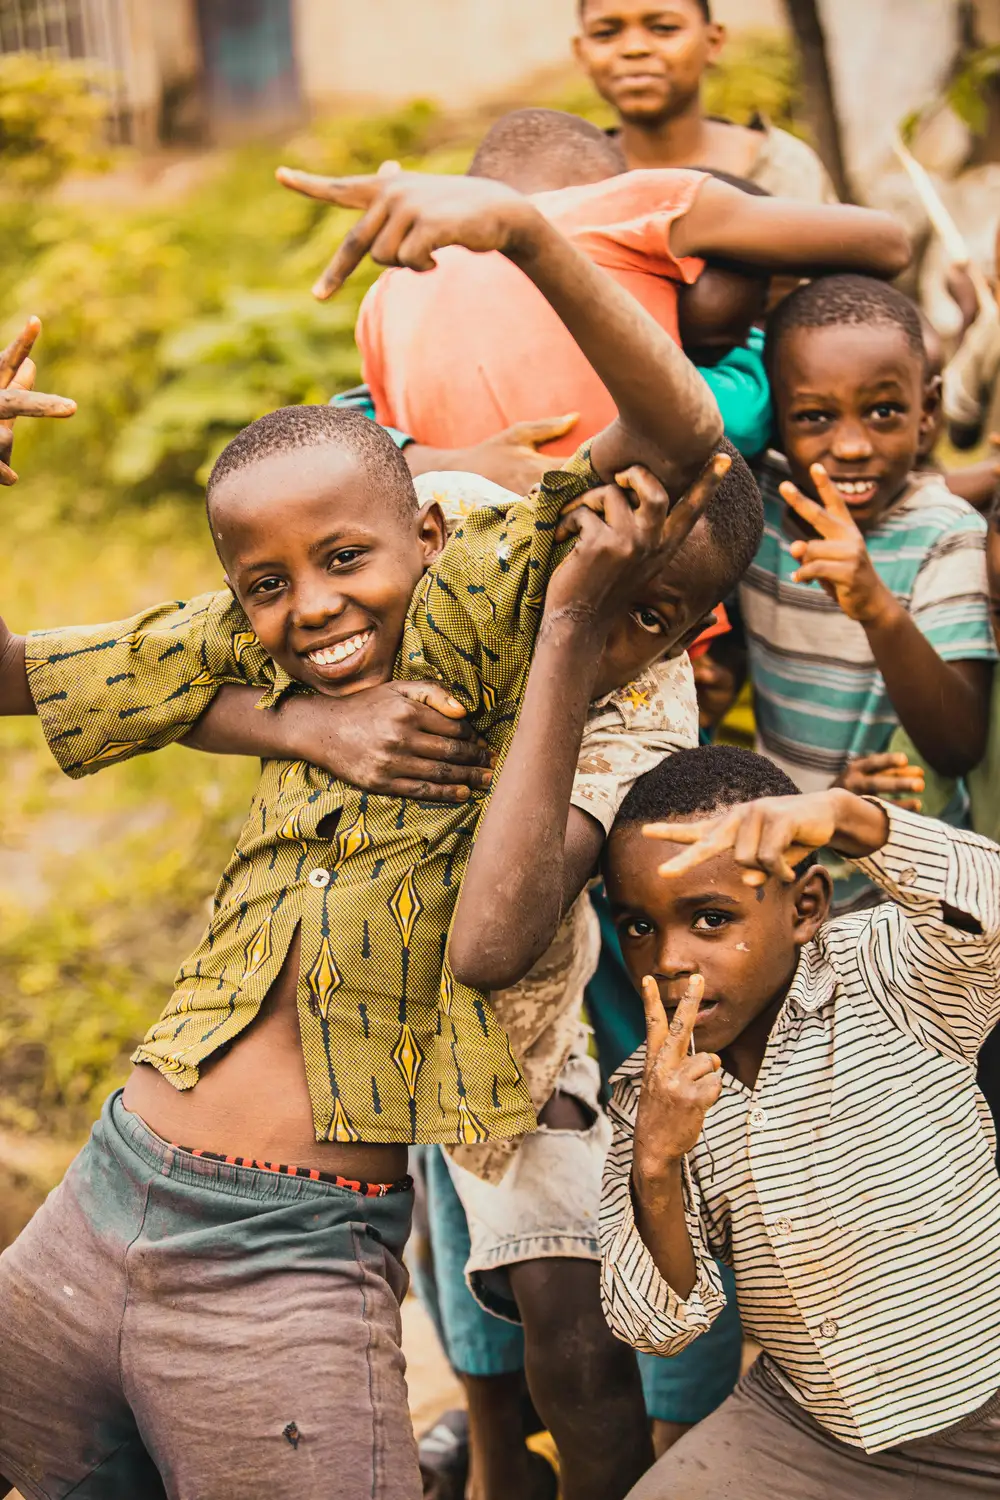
930, 415
690, 635
577, 46
812, 893
432, 533
716, 36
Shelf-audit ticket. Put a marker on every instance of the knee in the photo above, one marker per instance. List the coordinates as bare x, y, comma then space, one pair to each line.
568, 1344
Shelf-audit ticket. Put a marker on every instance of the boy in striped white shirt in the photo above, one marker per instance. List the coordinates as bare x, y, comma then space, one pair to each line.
805, 1109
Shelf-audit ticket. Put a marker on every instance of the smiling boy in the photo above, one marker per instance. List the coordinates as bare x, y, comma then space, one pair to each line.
867, 604
805, 1109
317, 1029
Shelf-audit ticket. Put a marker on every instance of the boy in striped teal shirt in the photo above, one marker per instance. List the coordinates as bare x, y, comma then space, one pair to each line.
898, 630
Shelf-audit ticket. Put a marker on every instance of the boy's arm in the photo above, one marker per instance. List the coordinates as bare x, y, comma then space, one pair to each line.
806, 239
659, 1281
401, 739
528, 863
934, 956
943, 705
667, 420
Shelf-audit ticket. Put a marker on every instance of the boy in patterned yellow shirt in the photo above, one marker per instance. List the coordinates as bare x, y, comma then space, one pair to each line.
157, 1273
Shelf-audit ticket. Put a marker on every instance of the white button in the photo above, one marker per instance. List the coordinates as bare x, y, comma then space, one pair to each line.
757, 1118
783, 1226
319, 878
907, 876
828, 1328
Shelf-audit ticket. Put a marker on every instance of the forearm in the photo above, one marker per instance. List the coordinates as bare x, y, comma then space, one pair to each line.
512, 893
658, 1201
423, 459
668, 414
15, 694
937, 705
233, 725
977, 484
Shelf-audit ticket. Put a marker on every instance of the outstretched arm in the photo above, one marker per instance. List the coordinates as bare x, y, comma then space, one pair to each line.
807, 239
668, 419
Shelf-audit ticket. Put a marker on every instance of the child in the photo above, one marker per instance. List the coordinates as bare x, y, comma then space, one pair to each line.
317, 1024
898, 631
805, 1108
648, 62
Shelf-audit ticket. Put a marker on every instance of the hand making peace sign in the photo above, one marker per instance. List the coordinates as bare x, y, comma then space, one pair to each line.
678, 1087
838, 559
17, 399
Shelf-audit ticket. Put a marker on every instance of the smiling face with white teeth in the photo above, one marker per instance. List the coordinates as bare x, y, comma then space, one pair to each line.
856, 400
322, 564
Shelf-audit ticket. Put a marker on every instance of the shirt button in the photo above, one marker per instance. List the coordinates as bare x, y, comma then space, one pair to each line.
828, 1328
783, 1226
907, 876
319, 878
757, 1118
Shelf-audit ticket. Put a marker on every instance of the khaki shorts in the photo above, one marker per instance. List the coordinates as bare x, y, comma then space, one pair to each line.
546, 1204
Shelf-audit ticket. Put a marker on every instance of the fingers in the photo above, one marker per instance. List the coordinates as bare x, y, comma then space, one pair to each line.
569, 520
432, 695
427, 791
347, 192
832, 499
887, 761
533, 434
683, 1019
807, 510
351, 252
887, 785
16, 402
657, 1029
826, 570
18, 350
689, 509
415, 250
443, 772
702, 1065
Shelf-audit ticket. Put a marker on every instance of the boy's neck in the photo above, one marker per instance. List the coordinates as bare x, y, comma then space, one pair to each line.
674, 142
745, 1054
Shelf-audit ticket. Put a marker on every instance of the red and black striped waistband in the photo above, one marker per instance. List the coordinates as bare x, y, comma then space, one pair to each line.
312, 1174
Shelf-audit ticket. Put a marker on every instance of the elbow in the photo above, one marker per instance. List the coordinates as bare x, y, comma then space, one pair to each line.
898, 250
485, 961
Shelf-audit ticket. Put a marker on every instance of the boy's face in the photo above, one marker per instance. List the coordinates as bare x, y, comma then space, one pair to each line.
855, 400
646, 60
670, 613
743, 940
323, 566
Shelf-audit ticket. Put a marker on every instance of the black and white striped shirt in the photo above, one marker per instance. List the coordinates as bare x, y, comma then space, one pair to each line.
854, 1190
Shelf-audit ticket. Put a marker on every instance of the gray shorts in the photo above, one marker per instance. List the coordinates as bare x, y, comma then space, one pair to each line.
547, 1202
762, 1445
175, 1328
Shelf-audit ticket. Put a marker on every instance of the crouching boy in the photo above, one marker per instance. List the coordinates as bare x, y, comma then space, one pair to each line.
805, 1109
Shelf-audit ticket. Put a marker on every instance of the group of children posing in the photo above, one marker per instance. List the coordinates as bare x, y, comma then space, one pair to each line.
468, 707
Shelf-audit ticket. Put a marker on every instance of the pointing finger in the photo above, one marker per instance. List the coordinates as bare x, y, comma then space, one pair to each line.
17, 351
15, 402
657, 1029
684, 1017
831, 497
348, 192
691, 507
807, 510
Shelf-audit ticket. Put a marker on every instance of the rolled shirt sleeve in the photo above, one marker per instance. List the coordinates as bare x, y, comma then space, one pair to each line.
941, 980
639, 1304
105, 693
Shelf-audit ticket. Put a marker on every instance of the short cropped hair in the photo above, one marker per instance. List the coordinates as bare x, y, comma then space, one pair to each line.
844, 301
734, 520
693, 783
350, 431
547, 139
703, 5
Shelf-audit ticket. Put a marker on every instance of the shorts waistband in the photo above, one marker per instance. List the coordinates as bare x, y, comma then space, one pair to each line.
238, 1176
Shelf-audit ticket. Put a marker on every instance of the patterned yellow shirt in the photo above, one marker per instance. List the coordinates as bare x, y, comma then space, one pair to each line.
395, 1049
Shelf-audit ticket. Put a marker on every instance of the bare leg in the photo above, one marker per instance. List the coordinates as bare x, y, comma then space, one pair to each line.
584, 1382
500, 1466
666, 1434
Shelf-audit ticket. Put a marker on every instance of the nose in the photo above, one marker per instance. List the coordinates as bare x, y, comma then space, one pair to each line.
634, 42
851, 443
315, 604
672, 963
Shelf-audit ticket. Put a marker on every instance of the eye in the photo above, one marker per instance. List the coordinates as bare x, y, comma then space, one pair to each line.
665, 28
648, 619
812, 417
884, 411
345, 556
638, 928
711, 921
266, 588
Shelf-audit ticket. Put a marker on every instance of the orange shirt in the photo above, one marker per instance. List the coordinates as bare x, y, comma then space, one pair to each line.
453, 356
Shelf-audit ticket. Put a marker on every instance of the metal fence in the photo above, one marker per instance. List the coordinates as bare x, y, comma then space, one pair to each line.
95, 31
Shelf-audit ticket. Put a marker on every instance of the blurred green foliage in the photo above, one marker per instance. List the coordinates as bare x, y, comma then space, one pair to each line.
51, 121
174, 315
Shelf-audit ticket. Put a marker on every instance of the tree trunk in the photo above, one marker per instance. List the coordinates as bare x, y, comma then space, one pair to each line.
819, 102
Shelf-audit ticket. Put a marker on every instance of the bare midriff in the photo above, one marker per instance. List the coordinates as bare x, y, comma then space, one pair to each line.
253, 1100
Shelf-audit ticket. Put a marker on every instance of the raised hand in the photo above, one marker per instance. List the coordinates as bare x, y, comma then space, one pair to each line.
887, 775
838, 559
679, 1085
512, 459
17, 399
772, 835
408, 215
